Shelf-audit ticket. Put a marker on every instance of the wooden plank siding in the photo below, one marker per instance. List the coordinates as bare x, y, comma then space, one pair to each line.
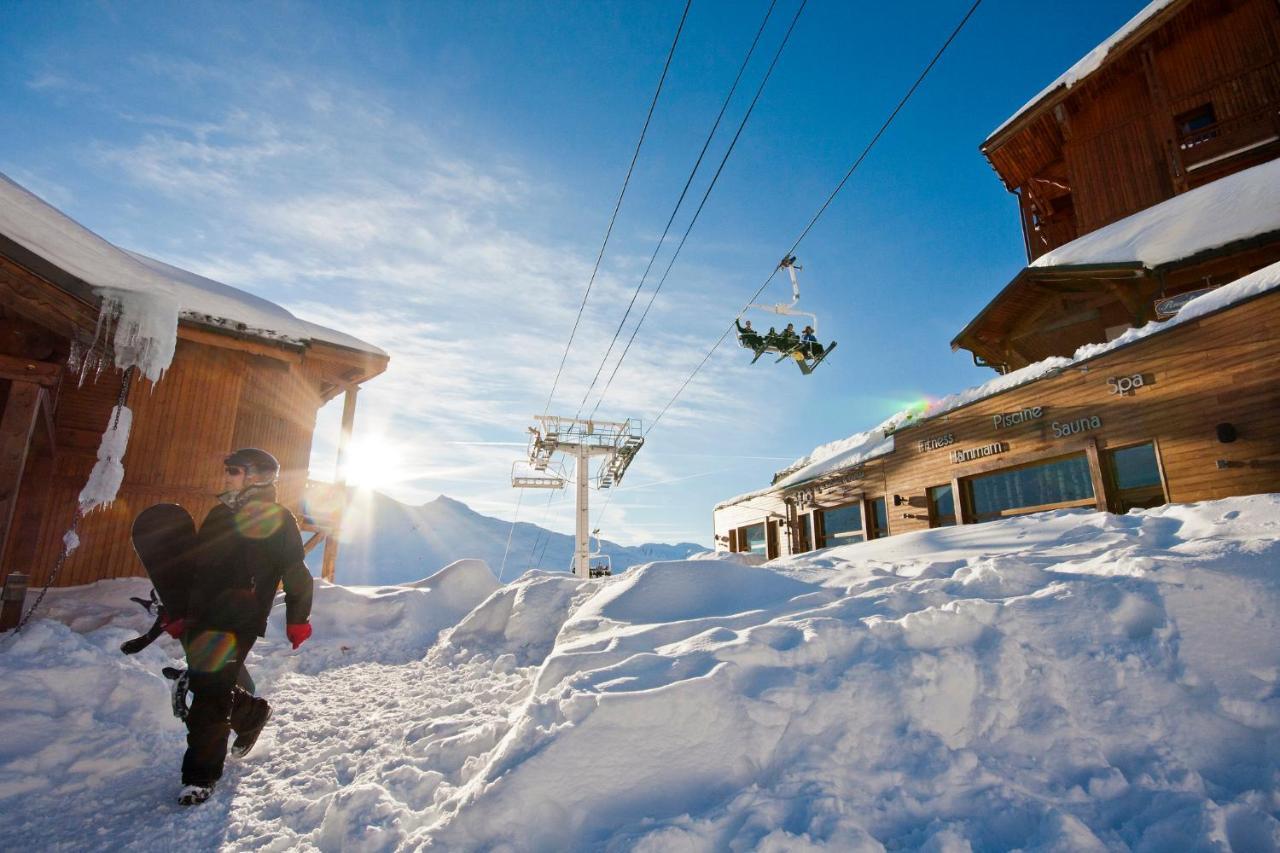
1223, 368
1115, 130
216, 395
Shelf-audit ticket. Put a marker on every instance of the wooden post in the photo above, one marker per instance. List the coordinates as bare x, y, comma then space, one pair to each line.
16, 427
957, 500
329, 566
1100, 501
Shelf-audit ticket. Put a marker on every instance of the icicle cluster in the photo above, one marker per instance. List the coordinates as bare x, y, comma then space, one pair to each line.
108, 471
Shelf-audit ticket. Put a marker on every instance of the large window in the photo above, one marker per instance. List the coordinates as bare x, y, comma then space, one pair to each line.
942, 506
1055, 484
1135, 477
752, 539
842, 525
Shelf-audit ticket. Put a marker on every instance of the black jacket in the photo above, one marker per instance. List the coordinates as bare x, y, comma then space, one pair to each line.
242, 556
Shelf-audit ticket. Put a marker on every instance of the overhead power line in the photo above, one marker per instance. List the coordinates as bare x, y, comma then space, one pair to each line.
823, 209
701, 204
618, 205
675, 210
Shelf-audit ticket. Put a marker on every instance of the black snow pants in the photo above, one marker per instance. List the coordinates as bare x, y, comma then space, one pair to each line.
219, 705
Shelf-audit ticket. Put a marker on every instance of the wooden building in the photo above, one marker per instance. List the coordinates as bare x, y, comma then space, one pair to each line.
1146, 176
244, 372
1186, 94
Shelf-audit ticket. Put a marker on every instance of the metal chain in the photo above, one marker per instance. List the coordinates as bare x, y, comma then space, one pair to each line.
125, 385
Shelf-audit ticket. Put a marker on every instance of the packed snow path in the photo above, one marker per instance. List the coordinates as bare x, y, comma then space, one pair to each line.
1067, 681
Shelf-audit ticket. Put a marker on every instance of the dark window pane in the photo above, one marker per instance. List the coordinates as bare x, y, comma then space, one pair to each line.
881, 516
942, 506
843, 523
1060, 481
1135, 467
755, 540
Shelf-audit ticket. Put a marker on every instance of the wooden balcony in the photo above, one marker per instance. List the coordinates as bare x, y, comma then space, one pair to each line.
1210, 152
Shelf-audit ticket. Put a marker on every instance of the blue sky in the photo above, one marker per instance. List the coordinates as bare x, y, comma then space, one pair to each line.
436, 178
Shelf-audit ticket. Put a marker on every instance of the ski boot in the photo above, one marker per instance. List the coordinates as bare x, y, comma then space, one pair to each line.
194, 795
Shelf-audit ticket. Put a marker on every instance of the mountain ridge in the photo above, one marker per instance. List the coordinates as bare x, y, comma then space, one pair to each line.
385, 541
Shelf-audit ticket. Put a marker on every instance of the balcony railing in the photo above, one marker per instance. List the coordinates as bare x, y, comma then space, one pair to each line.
1228, 138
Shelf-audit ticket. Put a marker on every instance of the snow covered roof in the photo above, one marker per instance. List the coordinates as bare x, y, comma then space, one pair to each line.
862, 446
1091, 62
50, 234
1236, 207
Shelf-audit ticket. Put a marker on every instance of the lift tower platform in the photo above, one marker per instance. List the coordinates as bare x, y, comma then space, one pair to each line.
615, 442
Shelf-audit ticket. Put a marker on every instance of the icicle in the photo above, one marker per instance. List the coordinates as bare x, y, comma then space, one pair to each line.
108, 471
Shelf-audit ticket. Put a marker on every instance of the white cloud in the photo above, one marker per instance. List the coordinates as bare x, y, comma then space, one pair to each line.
325, 200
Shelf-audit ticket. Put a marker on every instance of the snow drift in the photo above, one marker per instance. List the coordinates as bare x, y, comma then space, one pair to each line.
1064, 681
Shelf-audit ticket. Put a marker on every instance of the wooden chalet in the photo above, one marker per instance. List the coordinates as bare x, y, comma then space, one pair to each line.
1146, 176
245, 372
1186, 94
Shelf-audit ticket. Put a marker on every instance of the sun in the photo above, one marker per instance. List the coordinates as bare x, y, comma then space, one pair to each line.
372, 462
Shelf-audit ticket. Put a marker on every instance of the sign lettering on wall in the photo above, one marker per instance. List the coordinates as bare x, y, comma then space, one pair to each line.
958, 456
937, 443
1126, 385
1069, 428
1022, 416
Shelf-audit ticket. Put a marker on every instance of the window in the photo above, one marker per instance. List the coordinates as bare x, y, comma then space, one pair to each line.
1196, 126
1134, 473
842, 525
877, 518
752, 539
942, 506
1055, 484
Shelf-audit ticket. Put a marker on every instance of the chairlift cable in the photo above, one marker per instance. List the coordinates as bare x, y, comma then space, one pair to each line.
821, 210
689, 229
675, 210
537, 539
515, 518
618, 205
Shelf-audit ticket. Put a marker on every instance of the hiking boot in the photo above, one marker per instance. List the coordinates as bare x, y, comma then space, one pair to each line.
246, 739
194, 795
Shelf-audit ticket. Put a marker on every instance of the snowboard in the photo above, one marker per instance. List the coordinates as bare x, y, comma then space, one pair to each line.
164, 538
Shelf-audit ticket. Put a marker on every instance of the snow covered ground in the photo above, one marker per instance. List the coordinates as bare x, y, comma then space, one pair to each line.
1066, 681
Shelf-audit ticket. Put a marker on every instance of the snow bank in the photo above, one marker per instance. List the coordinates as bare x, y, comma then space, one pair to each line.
1236, 207
1064, 681
388, 624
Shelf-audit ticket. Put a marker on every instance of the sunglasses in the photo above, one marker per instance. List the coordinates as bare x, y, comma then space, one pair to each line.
234, 470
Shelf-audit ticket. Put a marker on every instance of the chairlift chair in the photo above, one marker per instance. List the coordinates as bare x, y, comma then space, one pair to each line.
807, 356
598, 564
526, 475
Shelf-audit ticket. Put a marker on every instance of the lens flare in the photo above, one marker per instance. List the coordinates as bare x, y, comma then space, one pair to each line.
210, 651
258, 520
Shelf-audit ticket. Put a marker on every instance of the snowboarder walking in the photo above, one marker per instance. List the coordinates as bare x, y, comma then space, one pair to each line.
247, 546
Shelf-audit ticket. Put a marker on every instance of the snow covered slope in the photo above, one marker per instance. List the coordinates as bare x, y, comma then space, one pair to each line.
1065, 681
390, 542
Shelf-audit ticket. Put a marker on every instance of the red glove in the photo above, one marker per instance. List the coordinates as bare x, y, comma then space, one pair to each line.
174, 627
298, 634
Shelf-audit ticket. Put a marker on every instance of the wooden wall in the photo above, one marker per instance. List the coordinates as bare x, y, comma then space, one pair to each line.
1224, 368
1115, 130
211, 400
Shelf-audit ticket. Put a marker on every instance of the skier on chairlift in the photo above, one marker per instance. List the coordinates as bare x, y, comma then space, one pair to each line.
809, 343
748, 336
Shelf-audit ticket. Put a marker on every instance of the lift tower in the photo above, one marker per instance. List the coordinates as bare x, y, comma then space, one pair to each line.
617, 442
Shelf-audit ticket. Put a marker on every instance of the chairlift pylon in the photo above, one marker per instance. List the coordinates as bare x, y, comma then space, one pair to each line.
807, 354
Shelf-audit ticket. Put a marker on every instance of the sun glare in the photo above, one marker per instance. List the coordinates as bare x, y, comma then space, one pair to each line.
373, 461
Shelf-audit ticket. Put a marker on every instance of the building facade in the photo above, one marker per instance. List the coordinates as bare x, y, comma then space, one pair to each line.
244, 373
1118, 387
